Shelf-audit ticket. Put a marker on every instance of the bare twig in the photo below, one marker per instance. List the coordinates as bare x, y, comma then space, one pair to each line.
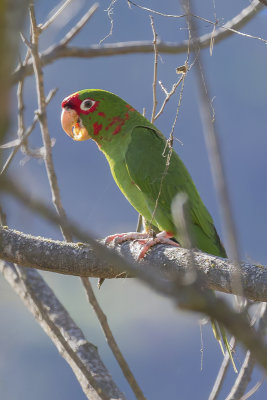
168, 96
77, 28
42, 115
215, 157
246, 370
37, 153
222, 372
111, 341
229, 27
243, 378
17, 143
254, 388
109, 11
155, 75
58, 51
46, 24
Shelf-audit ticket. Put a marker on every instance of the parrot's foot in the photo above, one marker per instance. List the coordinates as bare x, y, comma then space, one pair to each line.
123, 237
161, 238
143, 238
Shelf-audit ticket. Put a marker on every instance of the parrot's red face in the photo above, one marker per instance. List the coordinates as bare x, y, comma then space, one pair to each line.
72, 108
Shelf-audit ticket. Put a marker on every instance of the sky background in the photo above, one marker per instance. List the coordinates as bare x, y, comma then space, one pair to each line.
161, 344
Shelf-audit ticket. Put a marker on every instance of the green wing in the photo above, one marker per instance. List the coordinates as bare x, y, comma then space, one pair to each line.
147, 164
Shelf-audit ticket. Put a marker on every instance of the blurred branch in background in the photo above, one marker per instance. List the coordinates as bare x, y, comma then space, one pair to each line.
60, 50
81, 355
12, 14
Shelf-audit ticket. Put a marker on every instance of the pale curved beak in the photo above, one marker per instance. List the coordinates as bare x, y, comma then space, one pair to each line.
72, 125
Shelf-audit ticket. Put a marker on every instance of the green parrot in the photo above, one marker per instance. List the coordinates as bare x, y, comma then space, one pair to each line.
148, 173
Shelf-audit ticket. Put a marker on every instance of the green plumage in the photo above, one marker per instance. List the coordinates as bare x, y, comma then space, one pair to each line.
137, 153
147, 171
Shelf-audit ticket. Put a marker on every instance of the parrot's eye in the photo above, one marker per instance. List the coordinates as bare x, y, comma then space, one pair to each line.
87, 104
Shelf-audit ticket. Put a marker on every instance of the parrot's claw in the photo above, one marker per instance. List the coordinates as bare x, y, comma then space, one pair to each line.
143, 238
123, 237
161, 238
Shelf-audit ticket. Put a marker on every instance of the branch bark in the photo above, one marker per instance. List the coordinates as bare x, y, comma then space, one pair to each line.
81, 260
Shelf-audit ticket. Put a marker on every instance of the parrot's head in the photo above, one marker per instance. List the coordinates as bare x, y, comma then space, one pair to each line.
94, 114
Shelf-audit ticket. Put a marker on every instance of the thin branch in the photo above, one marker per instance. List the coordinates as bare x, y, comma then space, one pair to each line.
53, 17
168, 95
246, 370
243, 378
255, 388
222, 373
112, 342
155, 12
58, 51
77, 28
231, 26
109, 11
155, 75
17, 143
42, 115
80, 354
37, 153
215, 156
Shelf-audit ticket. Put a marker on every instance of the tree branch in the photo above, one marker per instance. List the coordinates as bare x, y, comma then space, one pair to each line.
58, 51
80, 354
81, 260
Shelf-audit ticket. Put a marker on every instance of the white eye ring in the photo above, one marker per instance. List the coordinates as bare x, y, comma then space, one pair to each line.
87, 104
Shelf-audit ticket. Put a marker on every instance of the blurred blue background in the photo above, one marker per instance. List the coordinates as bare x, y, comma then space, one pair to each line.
161, 344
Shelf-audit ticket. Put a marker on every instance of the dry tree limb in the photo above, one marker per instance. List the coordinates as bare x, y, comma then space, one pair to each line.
81, 355
80, 259
58, 51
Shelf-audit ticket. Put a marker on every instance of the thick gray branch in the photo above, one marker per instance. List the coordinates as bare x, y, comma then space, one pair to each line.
81, 355
81, 260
